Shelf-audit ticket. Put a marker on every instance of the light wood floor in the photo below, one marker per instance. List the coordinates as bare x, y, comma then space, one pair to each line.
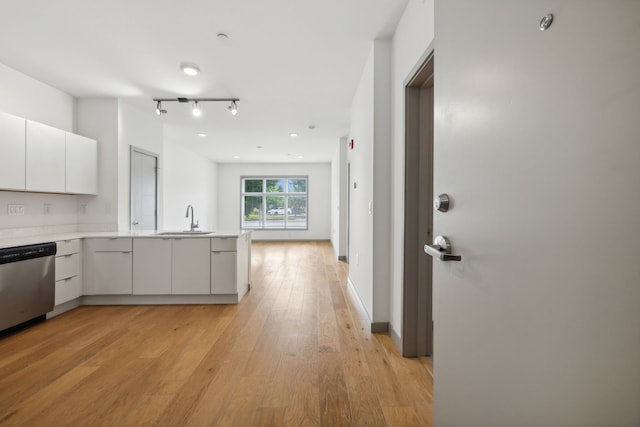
296, 351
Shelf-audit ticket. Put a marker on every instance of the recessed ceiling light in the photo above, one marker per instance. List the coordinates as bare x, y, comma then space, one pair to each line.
293, 134
259, 146
312, 127
189, 68
301, 157
236, 157
202, 135
222, 36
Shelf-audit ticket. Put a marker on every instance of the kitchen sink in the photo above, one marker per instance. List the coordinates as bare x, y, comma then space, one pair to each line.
183, 233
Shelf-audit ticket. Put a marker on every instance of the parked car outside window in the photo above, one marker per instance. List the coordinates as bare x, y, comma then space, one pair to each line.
278, 211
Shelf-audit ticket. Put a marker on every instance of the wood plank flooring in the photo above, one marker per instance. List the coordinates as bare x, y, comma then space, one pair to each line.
296, 351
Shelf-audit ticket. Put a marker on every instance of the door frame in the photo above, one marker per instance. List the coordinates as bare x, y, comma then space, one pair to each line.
417, 295
133, 150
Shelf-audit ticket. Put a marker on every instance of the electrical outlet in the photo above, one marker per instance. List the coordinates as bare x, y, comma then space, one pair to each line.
13, 210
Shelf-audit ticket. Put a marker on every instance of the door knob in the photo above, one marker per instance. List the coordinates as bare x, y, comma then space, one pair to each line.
441, 249
136, 223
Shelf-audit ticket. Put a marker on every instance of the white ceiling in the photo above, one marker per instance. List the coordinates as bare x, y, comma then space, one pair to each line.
292, 63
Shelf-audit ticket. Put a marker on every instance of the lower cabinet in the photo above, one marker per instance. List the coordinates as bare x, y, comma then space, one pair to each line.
108, 266
191, 271
223, 272
171, 266
68, 278
151, 266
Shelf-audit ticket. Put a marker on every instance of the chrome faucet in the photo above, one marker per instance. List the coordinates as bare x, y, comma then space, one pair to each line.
193, 225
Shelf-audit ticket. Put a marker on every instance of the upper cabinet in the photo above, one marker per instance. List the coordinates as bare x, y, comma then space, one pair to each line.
81, 165
12, 152
40, 158
45, 158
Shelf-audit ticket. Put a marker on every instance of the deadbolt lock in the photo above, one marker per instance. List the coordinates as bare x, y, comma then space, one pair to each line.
441, 203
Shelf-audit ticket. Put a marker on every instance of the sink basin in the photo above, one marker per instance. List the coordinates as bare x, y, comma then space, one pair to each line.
183, 233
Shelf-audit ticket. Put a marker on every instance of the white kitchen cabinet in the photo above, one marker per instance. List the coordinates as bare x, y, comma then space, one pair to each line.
151, 266
68, 271
81, 159
223, 272
12, 152
45, 158
108, 266
191, 269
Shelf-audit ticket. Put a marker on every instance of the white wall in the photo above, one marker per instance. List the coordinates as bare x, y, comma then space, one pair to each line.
319, 204
142, 129
26, 97
98, 119
370, 171
339, 189
116, 125
189, 179
413, 36
361, 188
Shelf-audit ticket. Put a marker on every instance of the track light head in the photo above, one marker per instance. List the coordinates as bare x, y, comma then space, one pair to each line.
159, 110
233, 108
196, 110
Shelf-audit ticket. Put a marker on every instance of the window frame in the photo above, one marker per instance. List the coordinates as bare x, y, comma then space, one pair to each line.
264, 194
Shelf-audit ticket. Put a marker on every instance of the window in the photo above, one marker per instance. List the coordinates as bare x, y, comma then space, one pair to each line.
274, 203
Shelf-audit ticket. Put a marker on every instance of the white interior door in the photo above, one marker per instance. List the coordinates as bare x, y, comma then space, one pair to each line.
537, 142
144, 187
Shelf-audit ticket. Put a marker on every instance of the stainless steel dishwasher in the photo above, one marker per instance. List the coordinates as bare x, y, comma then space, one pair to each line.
27, 283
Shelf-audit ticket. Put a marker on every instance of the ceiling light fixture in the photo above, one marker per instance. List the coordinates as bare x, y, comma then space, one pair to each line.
202, 135
236, 157
189, 68
293, 135
196, 108
159, 110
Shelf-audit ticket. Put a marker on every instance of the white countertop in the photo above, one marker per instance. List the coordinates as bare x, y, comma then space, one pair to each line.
53, 237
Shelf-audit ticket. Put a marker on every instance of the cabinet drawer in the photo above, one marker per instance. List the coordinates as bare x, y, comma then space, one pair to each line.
223, 244
68, 289
112, 245
67, 266
66, 247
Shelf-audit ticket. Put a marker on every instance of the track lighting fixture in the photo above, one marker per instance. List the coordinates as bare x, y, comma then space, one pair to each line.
159, 110
196, 108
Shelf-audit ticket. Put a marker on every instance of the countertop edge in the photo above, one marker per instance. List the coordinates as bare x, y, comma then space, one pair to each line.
55, 237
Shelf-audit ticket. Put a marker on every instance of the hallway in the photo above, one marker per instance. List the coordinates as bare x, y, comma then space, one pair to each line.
295, 351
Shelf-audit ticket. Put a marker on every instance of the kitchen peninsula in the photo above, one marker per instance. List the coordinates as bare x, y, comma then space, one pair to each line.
122, 268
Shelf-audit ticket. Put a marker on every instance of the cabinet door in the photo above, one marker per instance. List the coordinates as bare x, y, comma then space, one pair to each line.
45, 158
105, 270
81, 156
223, 273
152, 266
12, 152
191, 272
108, 273
68, 289
67, 266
